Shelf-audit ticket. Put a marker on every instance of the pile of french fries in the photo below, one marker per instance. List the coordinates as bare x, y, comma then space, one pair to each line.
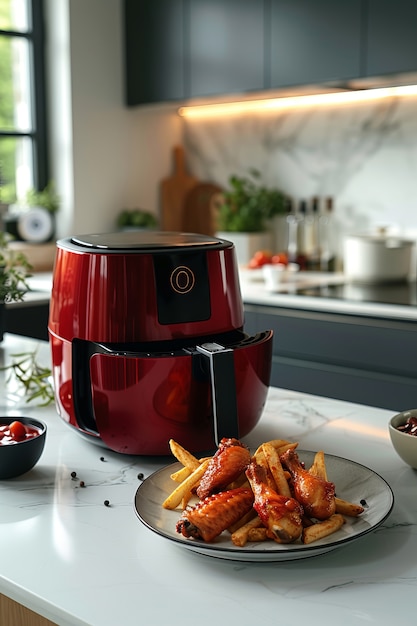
250, 528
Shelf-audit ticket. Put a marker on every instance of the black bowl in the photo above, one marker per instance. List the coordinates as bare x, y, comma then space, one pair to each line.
19, 457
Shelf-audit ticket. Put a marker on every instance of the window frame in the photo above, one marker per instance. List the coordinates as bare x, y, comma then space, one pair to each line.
37, 89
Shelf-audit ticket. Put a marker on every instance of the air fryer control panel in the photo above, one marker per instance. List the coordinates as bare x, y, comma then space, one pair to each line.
182, 287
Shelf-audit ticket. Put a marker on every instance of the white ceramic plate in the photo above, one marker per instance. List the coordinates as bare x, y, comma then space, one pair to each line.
354, 482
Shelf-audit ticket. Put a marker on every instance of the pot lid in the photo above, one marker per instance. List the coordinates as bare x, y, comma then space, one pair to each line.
142, 240
381, 239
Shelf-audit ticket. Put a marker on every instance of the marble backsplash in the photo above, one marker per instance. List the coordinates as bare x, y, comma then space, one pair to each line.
363, 155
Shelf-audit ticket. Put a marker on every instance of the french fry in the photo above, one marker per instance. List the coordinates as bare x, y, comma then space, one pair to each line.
183, 456
240, 536
322, 529
279, 444
181, 474
185, 500
277, 471
319, 466
250, 528
174, 498
348, 508
258, 534
287, 446
261, 460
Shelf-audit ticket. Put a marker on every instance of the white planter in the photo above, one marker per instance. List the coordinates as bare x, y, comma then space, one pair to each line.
246, 244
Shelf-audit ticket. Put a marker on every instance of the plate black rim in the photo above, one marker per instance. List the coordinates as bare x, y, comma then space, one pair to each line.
279, 549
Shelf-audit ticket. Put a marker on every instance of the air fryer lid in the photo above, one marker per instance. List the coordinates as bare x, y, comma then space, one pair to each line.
144, 240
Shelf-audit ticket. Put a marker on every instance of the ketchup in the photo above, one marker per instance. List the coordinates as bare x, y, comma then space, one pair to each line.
16, 432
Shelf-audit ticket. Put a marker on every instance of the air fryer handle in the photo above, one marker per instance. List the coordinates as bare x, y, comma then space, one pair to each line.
82, 352
223, 390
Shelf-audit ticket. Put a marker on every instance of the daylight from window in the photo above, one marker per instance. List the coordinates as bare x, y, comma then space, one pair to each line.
16, 110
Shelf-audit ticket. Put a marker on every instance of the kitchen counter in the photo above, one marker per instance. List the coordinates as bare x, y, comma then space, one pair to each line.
74, 561
329, 292
254, 292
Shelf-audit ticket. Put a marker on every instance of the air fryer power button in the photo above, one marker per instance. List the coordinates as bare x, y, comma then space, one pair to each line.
182, 279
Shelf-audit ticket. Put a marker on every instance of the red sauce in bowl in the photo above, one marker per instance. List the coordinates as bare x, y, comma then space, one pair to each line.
410, 426
16, 432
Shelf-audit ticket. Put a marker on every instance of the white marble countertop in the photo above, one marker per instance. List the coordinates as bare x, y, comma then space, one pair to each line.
77, 562
254, 291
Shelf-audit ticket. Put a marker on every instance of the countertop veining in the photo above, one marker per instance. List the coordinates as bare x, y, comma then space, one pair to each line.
77, 562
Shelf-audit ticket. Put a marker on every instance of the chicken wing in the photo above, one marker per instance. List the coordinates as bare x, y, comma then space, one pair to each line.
230, 460
281, 515
316, 495
211, 516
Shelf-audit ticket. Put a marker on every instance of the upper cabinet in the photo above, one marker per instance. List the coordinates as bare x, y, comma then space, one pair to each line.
179, 49
391, 38
226, 46
154, 48
314, 41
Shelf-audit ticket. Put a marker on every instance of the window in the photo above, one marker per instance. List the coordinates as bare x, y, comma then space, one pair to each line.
23, 154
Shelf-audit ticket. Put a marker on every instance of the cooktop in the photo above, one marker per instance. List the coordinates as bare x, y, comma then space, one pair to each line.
392, 293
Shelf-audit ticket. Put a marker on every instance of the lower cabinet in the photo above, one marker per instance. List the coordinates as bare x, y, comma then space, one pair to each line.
29, 320
367, 360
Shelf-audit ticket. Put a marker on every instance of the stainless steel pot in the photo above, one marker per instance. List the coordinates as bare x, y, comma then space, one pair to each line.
377, 258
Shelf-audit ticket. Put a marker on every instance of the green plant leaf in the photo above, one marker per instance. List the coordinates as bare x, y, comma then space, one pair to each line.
248, 204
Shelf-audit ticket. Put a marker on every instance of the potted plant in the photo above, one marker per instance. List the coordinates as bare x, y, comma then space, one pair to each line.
132, 219
246, 212
47, 198
14, 272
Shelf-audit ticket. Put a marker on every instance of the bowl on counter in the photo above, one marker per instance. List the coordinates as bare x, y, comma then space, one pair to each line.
404, 436
22, 440
276, 273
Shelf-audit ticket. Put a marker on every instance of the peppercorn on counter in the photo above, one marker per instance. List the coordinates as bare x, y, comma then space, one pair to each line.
75, 553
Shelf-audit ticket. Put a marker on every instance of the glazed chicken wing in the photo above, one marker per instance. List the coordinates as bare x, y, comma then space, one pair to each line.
211, 516
230, 460
316, 495
281, 515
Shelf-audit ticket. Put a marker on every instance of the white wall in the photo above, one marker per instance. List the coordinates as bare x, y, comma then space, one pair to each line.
363, 155
104, 156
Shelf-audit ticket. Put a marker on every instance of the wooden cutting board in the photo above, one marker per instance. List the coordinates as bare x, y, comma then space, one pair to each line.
200, 209
173, 193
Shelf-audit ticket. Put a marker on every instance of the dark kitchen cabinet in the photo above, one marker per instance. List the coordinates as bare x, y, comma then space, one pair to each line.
391, 37
154, 51
179, 49
367, 360
314, 42
226, 46
29, 320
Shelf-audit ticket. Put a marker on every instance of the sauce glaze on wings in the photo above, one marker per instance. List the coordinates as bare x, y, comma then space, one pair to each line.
230, 460
211, 516
281, 515
317, 496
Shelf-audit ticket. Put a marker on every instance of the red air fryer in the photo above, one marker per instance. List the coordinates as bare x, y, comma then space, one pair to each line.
147, 340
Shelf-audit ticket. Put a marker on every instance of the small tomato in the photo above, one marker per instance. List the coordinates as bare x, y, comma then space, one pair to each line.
280, 257
17, 431
260, 258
